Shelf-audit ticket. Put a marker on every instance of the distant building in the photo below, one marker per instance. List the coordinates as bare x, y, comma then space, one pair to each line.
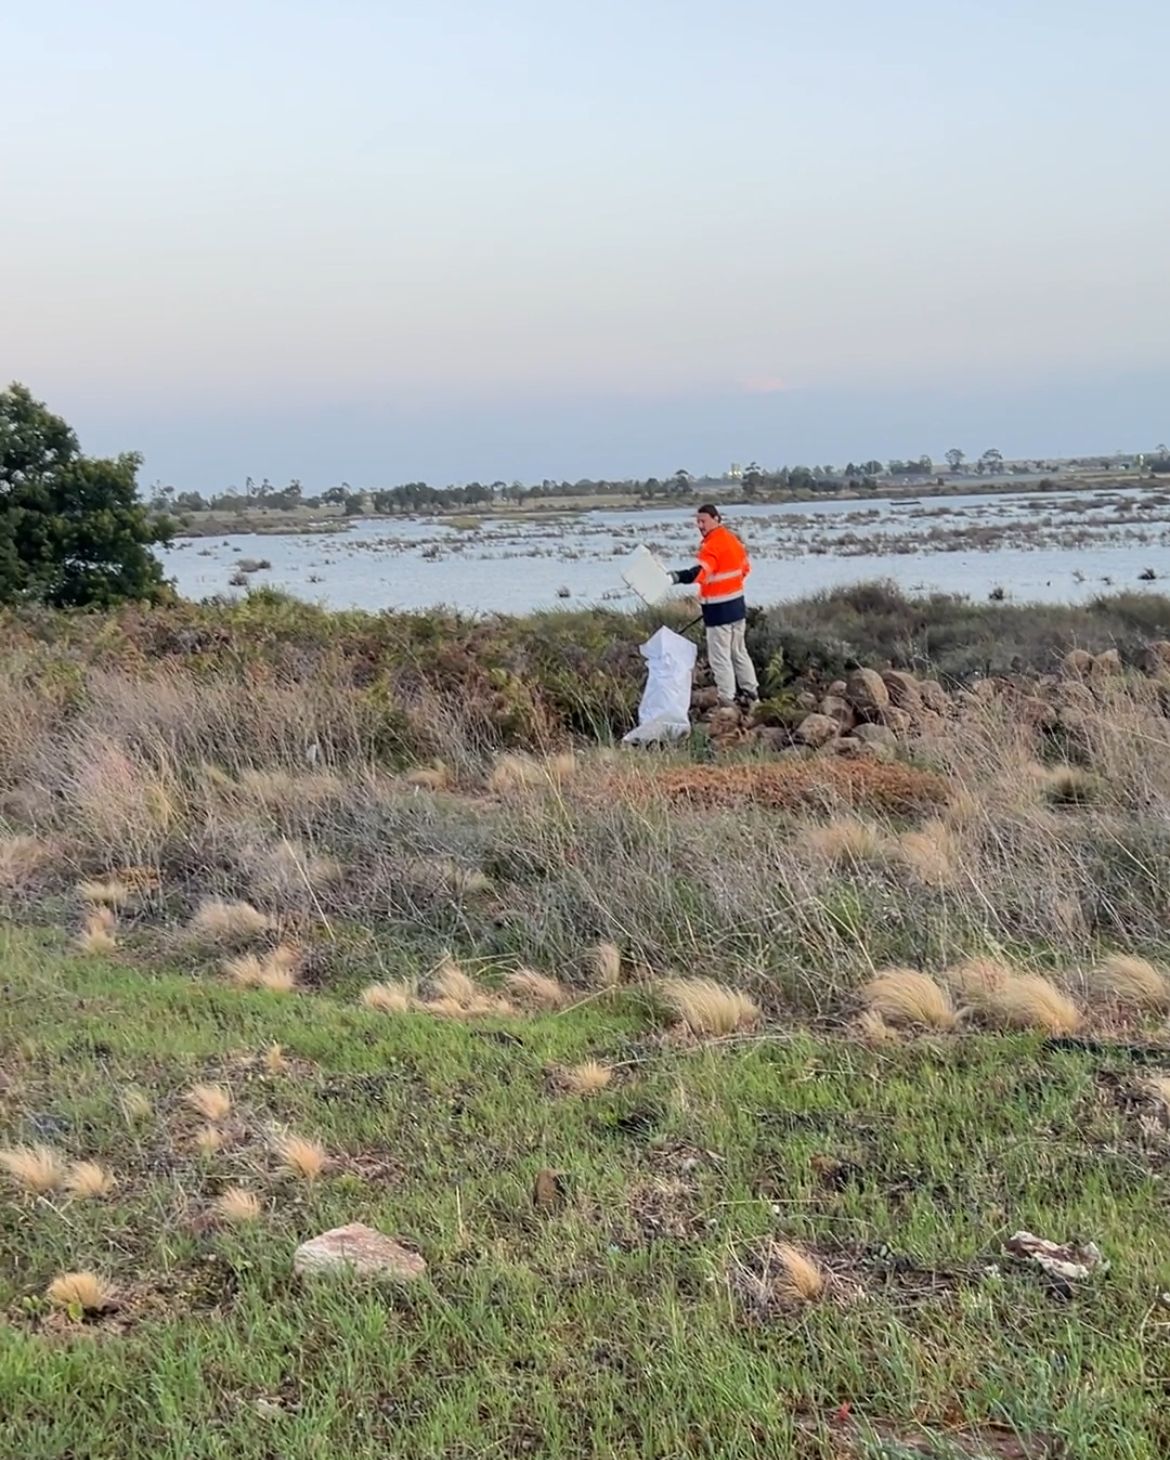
735, 472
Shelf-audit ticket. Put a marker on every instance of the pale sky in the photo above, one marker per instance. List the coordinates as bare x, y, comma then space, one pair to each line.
376, 241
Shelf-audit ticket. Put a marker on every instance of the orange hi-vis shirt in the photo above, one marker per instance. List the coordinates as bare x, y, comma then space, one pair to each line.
723, 569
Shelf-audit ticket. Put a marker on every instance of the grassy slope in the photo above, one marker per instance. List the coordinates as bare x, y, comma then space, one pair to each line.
604, 1328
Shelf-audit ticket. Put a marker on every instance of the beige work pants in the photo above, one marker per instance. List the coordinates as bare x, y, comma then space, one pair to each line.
729, 661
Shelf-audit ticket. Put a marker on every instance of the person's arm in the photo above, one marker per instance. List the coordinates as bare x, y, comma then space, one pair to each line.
686, 575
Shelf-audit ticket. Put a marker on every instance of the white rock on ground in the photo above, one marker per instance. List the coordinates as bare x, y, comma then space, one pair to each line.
357, 1249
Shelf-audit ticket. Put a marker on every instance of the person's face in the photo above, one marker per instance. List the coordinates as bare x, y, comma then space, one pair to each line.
705, 523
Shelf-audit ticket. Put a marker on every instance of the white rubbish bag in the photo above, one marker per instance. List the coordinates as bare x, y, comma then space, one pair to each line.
665, 711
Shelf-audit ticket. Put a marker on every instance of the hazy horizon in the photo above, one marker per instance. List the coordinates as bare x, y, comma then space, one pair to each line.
383, 242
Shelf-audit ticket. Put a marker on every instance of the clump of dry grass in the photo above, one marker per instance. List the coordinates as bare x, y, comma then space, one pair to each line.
708, 1008
1030, 1001
1133, 981
98, 933
274, 1060
227, 924
238, 1206
846, 839
430, 778
873, 1030
37, 1169
387, 998
85, 1292
305, 1159
976, 979
136, 1105
535, 990
212, 1102
450, 982
522, 772
1070, 785
23, 860
904, 996
931, 853
208, 1140
287, 870
276, 971
89, 1181
607, 965
1158, 1088
109, 893
457, 996
588, 1078
796, 1278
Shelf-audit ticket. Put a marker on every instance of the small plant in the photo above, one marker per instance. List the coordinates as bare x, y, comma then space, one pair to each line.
80, 1292
708, 1008
227, 924
535, 990
430, 778
1158, 1087
111, 893
305, 1159
607, 965
279, 972
238, 1207
212, 1102
274, 1060
1070, 785
37, 1169
246, 969
1029, 1001
873, 1030
88, 1181
97, 935
136, 1105
796, 1277
905, 996
588, 1078
846, 839
1133, 981
931, 853
208, 1140
386, 998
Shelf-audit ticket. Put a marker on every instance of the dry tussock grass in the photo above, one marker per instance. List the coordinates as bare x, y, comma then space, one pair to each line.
212, 1102
975, 979
430, 778
23, 859
209, 1139
1030, 1001
450, 982
111, 893
305, 1159
904, 996
387, 998
931, 853
36, 1169
1158, 1088
99, 932
588, 1078
522, 772
796, 1277
274, 1060
238, 1207
283, 873
227, 924
89, 1181
607, 965
708, 1008
281, 970
84, 1291
136, 1105
1133, 981
846, 839
538, 991
873, 1030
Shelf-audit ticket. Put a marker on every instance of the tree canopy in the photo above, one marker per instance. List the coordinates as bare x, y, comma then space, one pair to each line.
73, 530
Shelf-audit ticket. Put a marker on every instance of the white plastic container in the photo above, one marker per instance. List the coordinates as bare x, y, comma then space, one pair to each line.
646, 576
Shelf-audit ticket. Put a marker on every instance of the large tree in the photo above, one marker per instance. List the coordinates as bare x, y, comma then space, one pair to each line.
73, 529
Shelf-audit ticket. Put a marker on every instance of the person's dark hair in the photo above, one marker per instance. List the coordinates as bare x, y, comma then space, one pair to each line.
710, 511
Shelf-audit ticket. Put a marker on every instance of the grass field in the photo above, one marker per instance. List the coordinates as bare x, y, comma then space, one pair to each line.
765, 1216
636, 1314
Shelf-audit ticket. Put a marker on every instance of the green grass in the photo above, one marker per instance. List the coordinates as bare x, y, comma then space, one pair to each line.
604, 1328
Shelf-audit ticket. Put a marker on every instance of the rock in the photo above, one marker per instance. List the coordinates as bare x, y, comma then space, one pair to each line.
357, 1249
895, 719
838, 688
838, 709
903, 688
1107, 663
853, 748
866, 691
795, 752
724, 720
806, 700
875, 735
1077, 663
816, 730
771, 737
1156, 657
1072, 692
933, 696
704, 699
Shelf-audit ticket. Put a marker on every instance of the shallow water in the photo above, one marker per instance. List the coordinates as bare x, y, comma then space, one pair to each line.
1053, 547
